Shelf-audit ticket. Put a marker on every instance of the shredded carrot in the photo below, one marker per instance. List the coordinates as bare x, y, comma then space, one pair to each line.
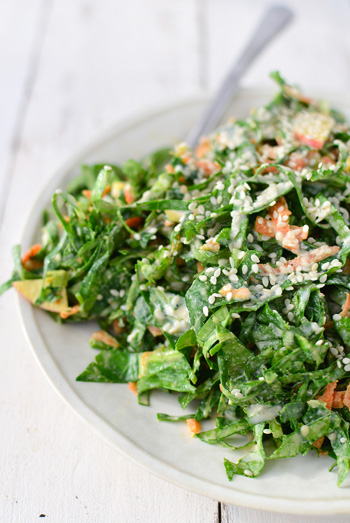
303, 260
105, 338
31, 252
208, 167
278, 226
133, 386
134, 222
69, 312
346, 398
338, 399
211, 246
243, 293
117, 328
129, 195
203, 148
200, 267
193, 425
296, 161
319, 442
107, 190
155, 331
86, 193
265, 227
314, 256
346, 306
328, 394
169, 168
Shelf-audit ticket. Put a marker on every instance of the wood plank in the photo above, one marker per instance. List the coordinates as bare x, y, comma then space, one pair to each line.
230, 514
95, 70
20, 21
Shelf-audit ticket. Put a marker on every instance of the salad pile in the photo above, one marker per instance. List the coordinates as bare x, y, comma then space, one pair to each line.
221, 274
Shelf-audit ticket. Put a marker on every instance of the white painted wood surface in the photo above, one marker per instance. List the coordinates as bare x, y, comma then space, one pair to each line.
69, 69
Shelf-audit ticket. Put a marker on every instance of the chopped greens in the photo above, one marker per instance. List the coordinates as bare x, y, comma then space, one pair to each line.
221, 274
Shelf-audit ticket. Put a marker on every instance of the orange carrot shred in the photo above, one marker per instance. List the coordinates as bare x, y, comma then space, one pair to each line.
129, 197
328, 394
69, 312
133, 386
105, 338
346, 398
346, 306
31, 252
193, 425
134, 222
319, 442
86, 193
338, 399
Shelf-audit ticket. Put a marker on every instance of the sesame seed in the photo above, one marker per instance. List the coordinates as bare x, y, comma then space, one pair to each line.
217, 273
239, 395
336, 317
235, 315
347, 368
244, 269
267, 431
319, 342
346, 361
213, 280
304, 431
261, 378
229, 296
247, 472
211, 299
205, 311
339, 364
203, 277
192, 206
323, 278
342, 440
254, 258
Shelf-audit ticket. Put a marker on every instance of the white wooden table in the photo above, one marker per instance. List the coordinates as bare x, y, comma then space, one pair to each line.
70, 68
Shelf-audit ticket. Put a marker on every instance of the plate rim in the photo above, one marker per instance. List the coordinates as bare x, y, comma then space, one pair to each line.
91, 419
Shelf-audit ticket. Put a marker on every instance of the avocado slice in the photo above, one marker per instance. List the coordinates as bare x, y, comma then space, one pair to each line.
31, 290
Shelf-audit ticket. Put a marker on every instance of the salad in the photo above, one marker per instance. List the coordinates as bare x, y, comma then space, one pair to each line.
220, 274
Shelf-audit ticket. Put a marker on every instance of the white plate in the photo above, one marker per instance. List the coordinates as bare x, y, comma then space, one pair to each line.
298, 485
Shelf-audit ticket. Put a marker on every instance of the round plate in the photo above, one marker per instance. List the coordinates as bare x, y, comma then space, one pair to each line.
298, 485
